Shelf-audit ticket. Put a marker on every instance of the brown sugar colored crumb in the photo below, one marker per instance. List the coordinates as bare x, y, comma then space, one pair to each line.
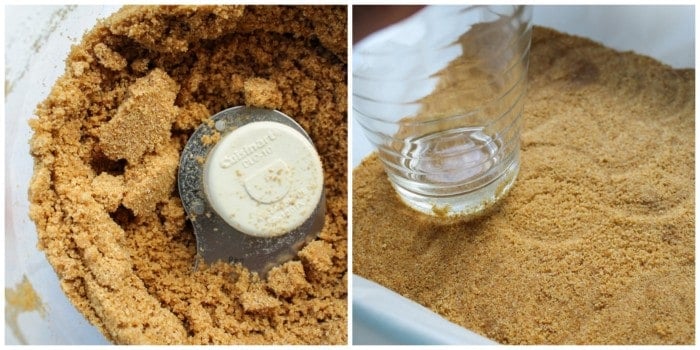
262, 93
595, 242
18, 300
138, 126
211, 139
108, 190
288, 279
107, 142
108, 58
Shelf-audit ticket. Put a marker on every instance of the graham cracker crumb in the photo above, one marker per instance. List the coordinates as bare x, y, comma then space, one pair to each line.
190, 116
79, 67
288, 280
138, 126
262, 93
211, 139
140, 65
108, 58
108, 190
152, 181
317, 256
18, 300
259, 302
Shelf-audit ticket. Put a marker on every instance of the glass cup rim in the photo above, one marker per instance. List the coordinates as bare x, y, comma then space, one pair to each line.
525, 13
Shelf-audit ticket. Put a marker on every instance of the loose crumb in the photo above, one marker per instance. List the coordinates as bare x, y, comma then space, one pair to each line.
139, 124
288, 280
108, 58
108, 190
262, 92
441, 212
20, 299
211, 139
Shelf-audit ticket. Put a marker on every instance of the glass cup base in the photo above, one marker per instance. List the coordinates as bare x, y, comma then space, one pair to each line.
464, 206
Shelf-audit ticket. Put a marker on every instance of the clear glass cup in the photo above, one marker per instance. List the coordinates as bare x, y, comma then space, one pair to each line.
440, 95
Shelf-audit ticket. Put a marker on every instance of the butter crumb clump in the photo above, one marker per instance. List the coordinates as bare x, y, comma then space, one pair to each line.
138, 126
262, 93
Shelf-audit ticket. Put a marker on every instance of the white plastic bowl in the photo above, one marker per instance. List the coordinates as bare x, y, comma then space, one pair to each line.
38, 39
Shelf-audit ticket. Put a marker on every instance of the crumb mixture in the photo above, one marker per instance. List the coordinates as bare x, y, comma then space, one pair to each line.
18, 300
107, 142
595, 242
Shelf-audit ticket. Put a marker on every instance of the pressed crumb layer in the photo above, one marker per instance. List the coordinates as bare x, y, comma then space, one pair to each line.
595, 243
106, 145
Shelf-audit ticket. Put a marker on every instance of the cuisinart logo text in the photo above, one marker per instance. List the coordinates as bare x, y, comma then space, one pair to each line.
250, 153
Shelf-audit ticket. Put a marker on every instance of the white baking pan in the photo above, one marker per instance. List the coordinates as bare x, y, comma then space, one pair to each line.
666, 33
